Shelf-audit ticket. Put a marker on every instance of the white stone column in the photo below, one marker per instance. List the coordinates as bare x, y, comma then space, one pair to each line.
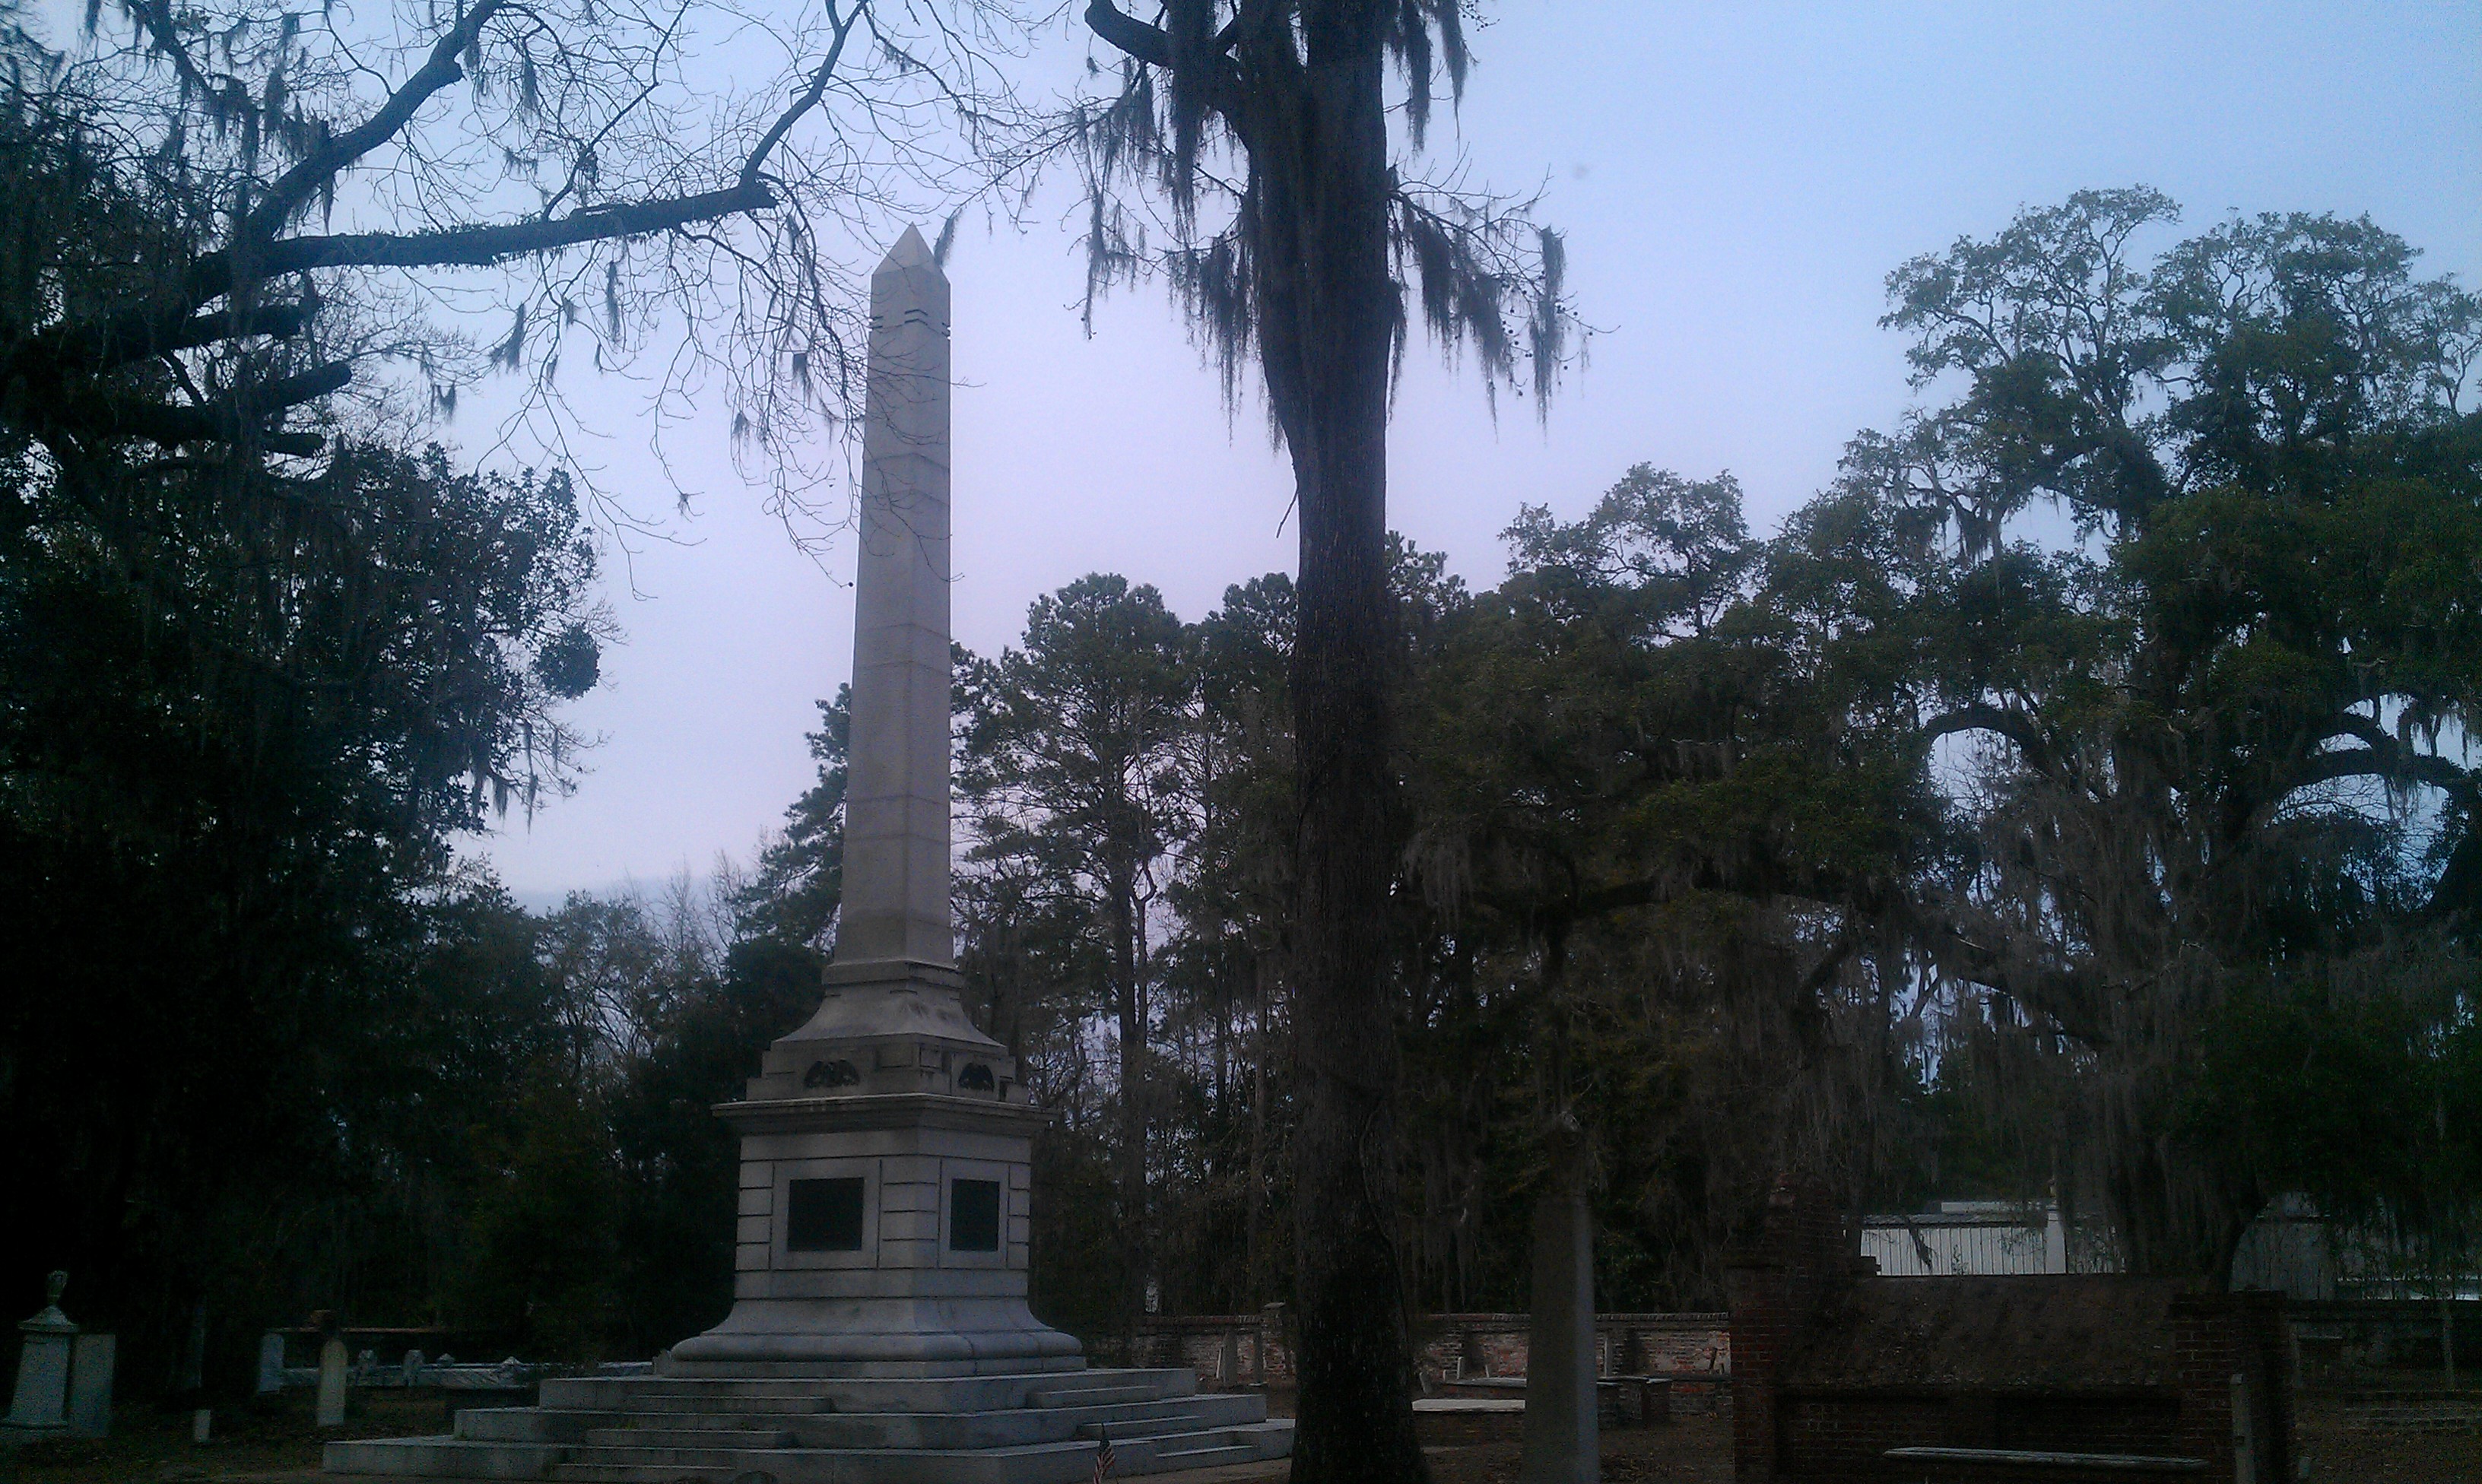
896, 792
90, 1385
271, 1364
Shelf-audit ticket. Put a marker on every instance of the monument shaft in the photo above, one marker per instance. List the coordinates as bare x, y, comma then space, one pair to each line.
896, 800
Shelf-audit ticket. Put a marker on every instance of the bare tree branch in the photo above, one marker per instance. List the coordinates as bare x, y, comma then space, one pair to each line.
324, 163
810, 98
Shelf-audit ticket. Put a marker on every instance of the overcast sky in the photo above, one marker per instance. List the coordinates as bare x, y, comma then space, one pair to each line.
1735, 182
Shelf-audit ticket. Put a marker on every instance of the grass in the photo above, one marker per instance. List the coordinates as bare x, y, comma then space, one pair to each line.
267, 1439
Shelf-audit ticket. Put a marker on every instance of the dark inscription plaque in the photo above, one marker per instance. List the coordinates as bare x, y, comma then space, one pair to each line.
824, 1215
973, 1215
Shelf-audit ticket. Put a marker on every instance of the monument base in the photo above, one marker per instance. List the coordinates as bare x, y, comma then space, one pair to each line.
665, 1429
885, 1226
878, 1329
896, 1337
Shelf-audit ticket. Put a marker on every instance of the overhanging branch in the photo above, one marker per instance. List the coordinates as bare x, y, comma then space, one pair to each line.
2015, 725
339, 153
481, 247
1146, 44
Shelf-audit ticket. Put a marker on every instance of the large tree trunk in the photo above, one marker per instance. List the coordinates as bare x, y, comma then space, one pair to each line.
1327, 324
1315, 222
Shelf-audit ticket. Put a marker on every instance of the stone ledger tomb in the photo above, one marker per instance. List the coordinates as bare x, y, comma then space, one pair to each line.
879, 1328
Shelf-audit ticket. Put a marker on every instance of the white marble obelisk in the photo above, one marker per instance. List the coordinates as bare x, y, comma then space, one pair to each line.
895, 908
886, 1144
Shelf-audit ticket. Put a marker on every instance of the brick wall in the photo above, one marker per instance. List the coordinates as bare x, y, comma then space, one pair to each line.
2230, 1352
1833, 1365
1844, 1438
1465, 1346
1225, 1350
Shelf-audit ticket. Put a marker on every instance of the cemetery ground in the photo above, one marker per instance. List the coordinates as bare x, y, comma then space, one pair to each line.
2347, 1438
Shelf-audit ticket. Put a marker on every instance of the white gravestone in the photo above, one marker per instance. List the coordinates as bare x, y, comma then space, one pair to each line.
270, 1362
332, 1383
39, 1405
90, 1385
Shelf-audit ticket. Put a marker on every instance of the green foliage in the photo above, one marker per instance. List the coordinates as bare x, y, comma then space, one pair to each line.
679, 1164
2364, 1088
2218, 741
1072, 776
2075, 799
800, 881
240, 716
542, 1267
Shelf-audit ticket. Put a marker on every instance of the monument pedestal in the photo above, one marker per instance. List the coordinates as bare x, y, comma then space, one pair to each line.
878, 1330
886, 1154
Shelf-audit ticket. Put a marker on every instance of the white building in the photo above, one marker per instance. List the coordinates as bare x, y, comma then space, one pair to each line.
1981, 1238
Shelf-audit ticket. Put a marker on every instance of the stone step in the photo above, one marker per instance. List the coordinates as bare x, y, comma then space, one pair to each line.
1057, 1462
604, 1392
1201, 1458
1172, 1424
1092, 1395
724, 1406
644, 1459
1204, 1450
1211, 1408
530, 1425
815, 1429
951, 1393
708, 1422
641, 1437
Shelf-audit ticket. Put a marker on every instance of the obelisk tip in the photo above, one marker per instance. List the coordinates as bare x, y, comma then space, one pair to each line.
910, 252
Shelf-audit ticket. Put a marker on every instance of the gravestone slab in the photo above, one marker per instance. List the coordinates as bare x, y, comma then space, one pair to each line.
90, 1369
271, 1364
332, 1383
1562, 1445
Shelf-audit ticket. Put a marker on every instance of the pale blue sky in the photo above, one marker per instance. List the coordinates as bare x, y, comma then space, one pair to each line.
1735, 181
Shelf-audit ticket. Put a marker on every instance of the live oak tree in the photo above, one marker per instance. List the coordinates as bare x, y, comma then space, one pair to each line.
241, 720
1297, 235
2218, 745
1646, 812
